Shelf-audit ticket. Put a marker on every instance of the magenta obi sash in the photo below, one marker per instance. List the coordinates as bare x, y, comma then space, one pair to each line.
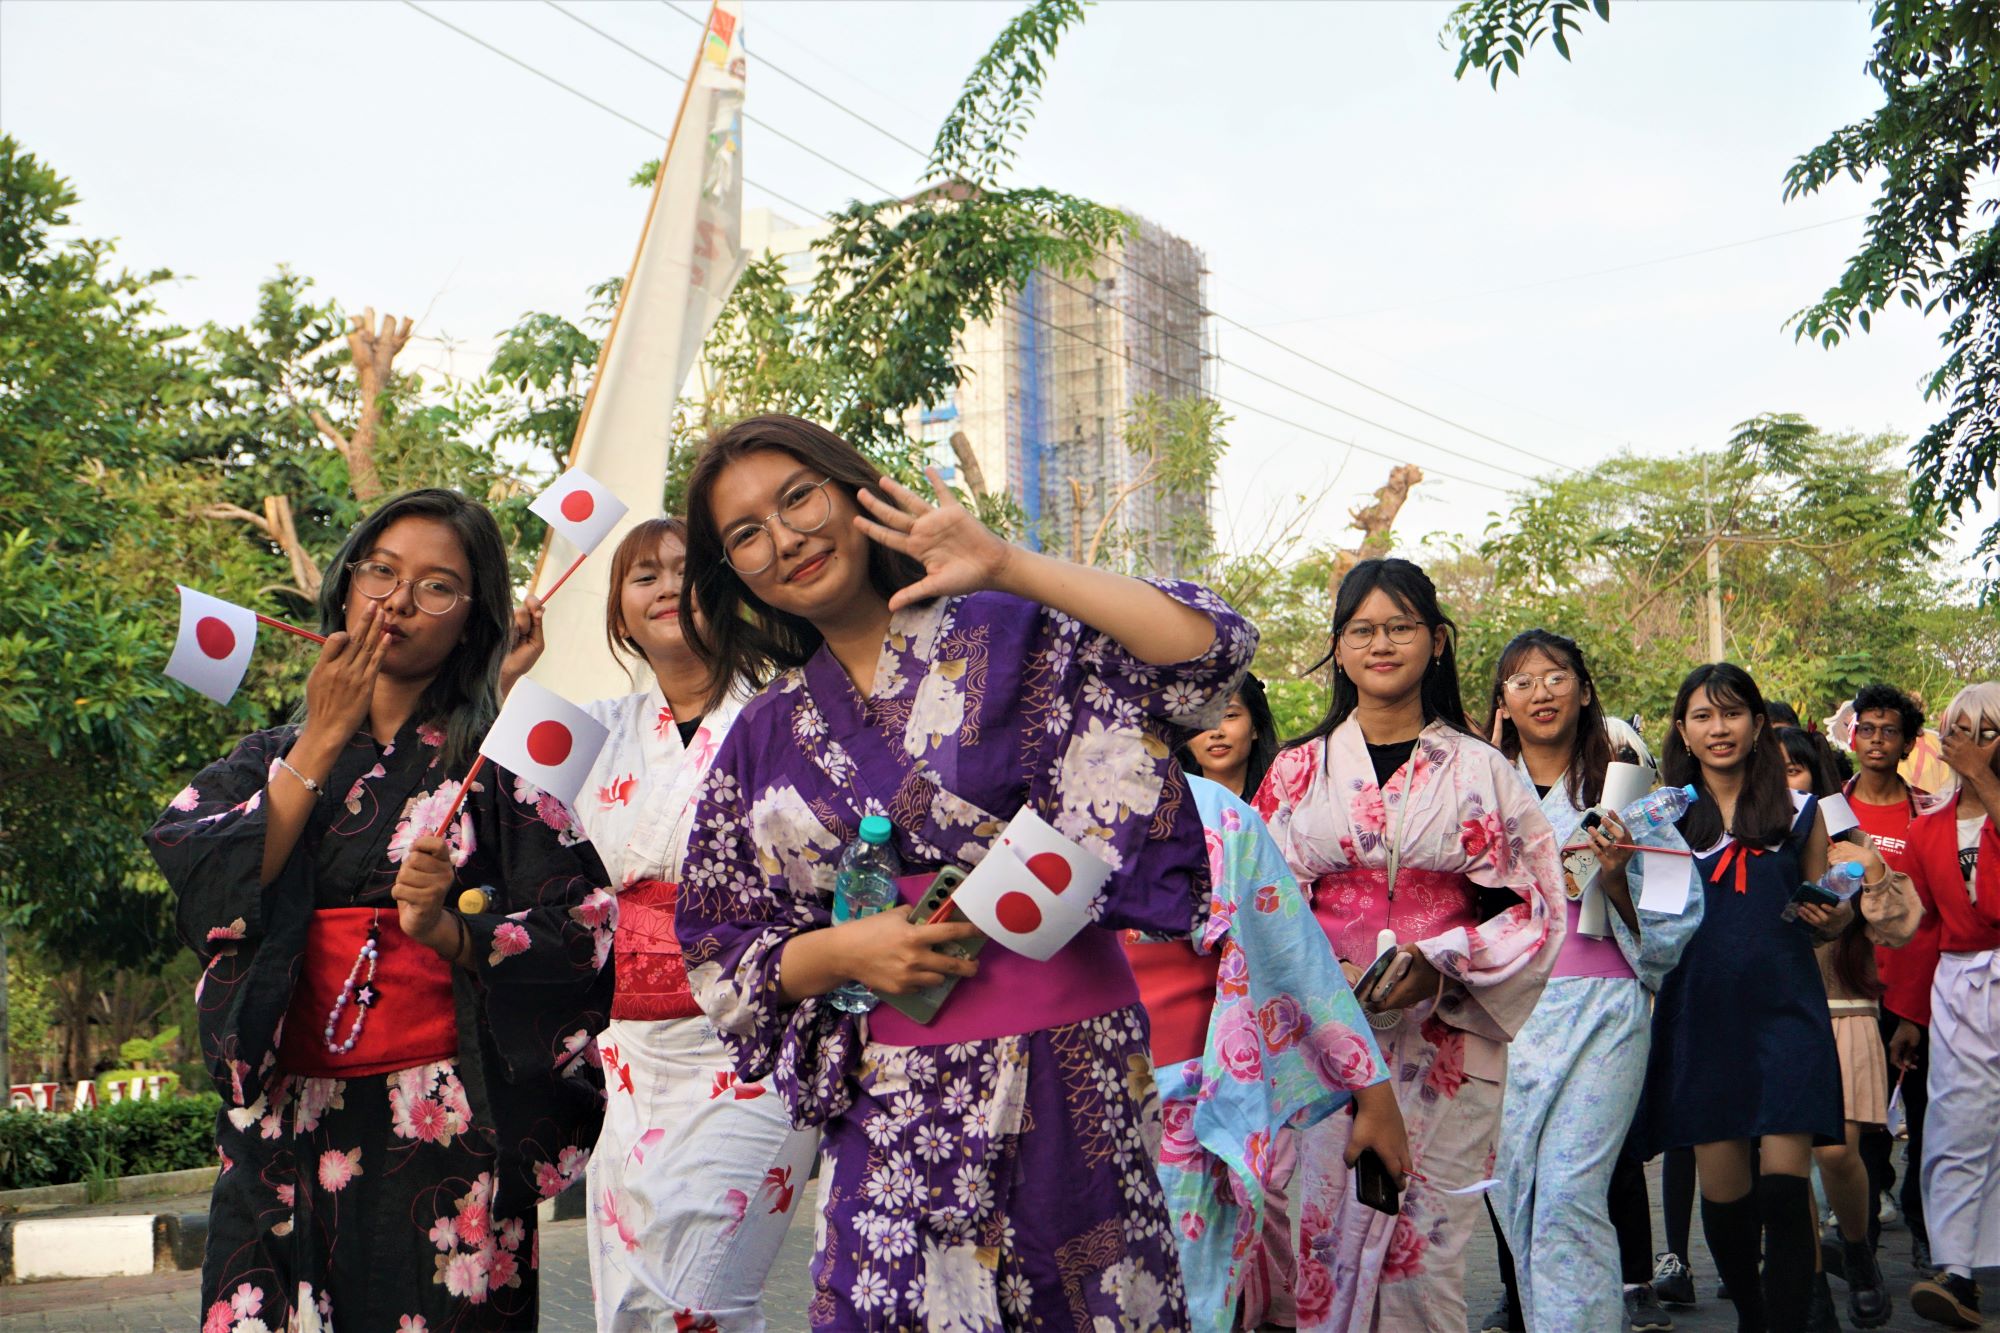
1013, 994
1587, 956
1353, 906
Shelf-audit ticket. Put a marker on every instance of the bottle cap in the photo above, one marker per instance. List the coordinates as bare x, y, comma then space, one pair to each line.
474, 901
1693, 792
1851, 869
876, 830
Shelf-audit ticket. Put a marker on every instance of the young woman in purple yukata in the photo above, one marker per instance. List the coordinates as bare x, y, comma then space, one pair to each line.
400, 1083
1393, 814
929, 672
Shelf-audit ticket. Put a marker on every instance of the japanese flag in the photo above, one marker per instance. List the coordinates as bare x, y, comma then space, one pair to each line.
1035, 890
213, 649
580, 509
546, 739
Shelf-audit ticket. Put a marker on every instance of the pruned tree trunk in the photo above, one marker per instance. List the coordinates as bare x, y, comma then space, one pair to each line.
277, 525
374, 353
1376, 520
968, 463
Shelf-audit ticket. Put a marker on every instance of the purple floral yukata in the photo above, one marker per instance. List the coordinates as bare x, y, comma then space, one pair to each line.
1005, 1183
403, 1200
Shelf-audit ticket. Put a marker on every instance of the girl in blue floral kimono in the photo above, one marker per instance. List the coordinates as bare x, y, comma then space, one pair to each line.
400, 1084
992, 1170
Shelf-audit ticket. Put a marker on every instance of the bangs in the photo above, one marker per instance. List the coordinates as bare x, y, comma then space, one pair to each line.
1975, 704
1721, 694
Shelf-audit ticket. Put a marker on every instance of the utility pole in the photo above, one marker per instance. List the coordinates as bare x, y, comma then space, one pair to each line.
1715, 651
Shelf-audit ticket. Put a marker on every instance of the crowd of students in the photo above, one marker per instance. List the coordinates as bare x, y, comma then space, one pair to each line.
1343, 999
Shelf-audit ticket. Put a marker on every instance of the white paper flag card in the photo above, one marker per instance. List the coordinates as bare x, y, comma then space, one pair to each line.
1035, 889
579, 507
546, 739
212, 650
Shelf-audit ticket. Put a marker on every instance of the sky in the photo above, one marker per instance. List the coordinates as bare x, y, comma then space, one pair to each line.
1517, 263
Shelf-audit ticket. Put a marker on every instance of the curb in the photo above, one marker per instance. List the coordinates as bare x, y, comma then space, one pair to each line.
131, 1245
191, 1181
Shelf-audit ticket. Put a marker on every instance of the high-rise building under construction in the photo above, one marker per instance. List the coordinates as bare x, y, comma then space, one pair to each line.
1049, 384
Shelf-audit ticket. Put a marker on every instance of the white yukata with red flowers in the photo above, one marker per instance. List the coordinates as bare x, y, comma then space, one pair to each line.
697, 1173
1461, 820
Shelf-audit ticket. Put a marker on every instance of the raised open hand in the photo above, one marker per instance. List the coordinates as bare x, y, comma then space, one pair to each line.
958, 552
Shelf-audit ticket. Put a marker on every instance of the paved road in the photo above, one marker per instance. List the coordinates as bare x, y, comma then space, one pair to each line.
168, 1302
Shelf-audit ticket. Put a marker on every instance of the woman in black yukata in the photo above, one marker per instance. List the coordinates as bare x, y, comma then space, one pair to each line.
400, 1083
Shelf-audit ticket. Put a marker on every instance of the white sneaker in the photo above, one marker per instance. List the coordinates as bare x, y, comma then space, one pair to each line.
1888, 1214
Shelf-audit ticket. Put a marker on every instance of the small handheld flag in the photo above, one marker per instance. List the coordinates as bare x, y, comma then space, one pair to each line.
540, 737
582, 511
212, 651
1033, 891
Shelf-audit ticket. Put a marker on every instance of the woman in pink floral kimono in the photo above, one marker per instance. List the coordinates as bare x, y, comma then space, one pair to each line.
1393, 816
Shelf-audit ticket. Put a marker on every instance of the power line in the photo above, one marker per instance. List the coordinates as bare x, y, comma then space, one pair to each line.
660, 135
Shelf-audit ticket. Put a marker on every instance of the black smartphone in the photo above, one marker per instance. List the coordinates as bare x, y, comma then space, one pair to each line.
922, 1006
1592, 818
1365, 984
1816, 896
1374, 1186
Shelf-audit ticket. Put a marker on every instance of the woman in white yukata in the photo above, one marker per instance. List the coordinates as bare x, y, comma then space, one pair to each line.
697, 1173
1392, 814
1576, 1067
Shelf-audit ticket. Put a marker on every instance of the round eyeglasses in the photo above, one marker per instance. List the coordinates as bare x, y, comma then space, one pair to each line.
750, 547
376, 581
1557, 683
1359, 634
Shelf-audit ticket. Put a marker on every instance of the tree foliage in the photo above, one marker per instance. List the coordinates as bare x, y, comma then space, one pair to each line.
1931, 149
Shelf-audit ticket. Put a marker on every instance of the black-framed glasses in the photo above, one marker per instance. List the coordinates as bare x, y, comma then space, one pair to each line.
1358, 634
750, 548
377, 582
1557, 683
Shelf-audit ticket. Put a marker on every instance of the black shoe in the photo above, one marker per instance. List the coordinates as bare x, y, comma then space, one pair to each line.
1643, 1312
1945, 1298
1832, 1258
1868, 1303
1920, 1254
1502, 1320
1722, 1291
1672, 1283
1820, 1317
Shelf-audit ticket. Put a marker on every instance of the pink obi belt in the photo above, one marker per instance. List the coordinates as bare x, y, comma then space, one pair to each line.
1587, 956
1353, 907
652, 984
1012, 994
406, 1010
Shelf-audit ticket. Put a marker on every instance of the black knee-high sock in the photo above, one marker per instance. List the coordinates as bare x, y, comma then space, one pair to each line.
1506, 1258
1732, 1230
1677, 1200
1632, 1219
1791, 1249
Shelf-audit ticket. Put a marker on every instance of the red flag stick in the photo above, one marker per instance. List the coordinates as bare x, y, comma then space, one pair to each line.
573, 566
459, 799
263, 619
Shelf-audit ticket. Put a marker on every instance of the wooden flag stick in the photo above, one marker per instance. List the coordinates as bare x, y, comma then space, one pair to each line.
263, 619
459, 799
574, 565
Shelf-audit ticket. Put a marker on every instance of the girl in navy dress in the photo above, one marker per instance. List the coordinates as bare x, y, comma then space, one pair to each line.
1743, 1055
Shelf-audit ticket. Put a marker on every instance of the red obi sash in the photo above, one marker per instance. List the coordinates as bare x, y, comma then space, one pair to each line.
1353, 905
1012, 994
1177, 986
410, 1021
652, 982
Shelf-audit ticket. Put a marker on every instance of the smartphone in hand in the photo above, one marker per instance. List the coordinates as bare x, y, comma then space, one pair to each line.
1374, 1186
922, 1006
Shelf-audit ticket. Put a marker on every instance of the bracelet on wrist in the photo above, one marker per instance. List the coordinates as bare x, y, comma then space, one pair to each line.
315, 788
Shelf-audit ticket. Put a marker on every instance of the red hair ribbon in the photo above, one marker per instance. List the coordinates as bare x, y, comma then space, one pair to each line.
1739, 854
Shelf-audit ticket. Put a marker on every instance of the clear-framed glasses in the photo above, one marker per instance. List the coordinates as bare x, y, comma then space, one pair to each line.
750, 548
376, 581
1359, 634
1868, 731
1557, 683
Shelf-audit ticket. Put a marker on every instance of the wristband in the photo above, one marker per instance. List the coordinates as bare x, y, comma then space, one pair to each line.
311, 786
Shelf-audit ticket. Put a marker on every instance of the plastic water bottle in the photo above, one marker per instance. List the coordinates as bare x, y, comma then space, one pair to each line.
866, 884
1657, 809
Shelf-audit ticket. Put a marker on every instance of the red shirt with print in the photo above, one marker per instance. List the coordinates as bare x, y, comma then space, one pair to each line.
1905, 972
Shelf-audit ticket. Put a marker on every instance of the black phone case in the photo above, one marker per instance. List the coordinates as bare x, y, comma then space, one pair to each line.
923, 1005
1815, 895
1373, 1186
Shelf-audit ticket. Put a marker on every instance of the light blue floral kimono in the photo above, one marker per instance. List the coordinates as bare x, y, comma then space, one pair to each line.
1287, 1046
1574, 1073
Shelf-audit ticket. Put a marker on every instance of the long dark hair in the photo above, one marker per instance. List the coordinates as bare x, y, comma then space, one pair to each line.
739, 635
1591, 751
1263, 737
1764, 812
464, 696
1853, 953
1412, 590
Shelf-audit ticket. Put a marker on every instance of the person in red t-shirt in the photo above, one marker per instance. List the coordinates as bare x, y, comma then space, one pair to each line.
1886, 724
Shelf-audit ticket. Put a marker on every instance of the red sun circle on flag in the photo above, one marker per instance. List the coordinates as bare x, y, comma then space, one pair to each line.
578, 506
549, 743
214, 637
1050, 869
1017, 912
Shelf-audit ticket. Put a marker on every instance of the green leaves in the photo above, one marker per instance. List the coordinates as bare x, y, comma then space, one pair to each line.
976, 143
1496, 35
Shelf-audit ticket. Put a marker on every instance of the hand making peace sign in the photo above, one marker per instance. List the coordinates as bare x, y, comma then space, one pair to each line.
958, 552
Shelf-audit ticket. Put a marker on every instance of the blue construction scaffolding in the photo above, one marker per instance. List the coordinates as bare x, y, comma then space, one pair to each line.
1031, 424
